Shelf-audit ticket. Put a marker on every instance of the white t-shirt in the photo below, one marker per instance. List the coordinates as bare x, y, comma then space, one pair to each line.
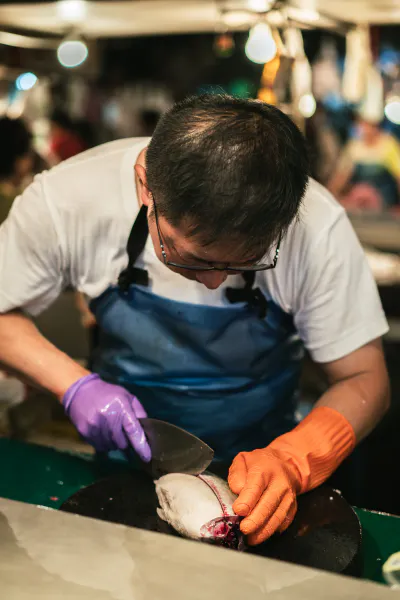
71, 226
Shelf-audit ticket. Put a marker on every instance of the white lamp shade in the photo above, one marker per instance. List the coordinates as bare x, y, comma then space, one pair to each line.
260, 47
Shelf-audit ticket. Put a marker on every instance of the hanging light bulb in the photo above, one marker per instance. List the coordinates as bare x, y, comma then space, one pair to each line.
25, 81
72, 52
392, 110
73, 11
260, 47
307, 105
224, 45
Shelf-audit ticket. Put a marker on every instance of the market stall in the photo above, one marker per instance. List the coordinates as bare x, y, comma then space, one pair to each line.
152, 565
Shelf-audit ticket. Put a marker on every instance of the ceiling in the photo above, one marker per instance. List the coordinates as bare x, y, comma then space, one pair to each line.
117, 18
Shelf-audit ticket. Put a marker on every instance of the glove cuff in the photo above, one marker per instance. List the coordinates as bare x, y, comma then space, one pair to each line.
73, 389
317, 446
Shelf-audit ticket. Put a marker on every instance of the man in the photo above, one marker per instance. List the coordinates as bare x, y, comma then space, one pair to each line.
236, 260
367, 176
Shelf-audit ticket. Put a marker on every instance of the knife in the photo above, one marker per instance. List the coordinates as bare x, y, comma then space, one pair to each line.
174, 450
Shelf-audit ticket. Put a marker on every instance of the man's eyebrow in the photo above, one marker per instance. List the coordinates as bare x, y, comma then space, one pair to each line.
184, 255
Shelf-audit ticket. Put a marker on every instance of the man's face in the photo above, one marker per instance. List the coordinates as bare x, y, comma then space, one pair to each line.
184, 249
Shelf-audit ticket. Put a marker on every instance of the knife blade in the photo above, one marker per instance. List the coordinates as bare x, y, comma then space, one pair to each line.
175, 450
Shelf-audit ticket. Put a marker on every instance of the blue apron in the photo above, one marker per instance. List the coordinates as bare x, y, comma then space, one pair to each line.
227, 374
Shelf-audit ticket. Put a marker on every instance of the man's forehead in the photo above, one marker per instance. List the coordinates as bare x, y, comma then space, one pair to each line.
190, 246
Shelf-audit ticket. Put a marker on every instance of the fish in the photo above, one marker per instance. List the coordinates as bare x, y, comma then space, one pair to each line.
199, 507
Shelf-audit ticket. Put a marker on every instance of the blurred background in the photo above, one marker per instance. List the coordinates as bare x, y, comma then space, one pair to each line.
77, 73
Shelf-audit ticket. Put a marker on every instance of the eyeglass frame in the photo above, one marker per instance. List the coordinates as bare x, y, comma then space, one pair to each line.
251, 268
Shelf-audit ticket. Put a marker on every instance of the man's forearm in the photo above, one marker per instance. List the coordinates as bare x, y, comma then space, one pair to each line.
26, 352
362, 399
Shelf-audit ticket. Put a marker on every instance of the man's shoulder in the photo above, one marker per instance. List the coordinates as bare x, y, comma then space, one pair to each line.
318, 213
97, 182
104, 152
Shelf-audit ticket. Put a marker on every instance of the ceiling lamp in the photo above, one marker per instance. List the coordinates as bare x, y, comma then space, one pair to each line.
25, 82
73, 11
260, 47
224, 45
72, 52
392, 110
307, 105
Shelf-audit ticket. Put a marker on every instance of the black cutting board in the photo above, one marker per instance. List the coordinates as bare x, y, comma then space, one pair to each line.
326, 532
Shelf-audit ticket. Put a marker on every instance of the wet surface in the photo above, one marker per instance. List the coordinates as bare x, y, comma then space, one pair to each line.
325, 534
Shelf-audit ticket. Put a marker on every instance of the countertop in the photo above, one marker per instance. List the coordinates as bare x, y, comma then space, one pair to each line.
52, 555
44, 476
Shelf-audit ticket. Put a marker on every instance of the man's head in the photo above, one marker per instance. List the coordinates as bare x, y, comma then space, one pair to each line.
228, 177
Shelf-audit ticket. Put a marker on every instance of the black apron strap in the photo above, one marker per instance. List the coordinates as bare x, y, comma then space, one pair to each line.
252, 296
136, 243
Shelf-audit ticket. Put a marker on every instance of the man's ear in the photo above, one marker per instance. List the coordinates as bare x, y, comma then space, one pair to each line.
145, 195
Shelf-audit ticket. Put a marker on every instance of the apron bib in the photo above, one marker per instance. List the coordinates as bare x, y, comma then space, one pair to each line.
227, 374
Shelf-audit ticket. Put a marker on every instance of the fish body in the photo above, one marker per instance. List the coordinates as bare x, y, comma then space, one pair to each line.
200, 508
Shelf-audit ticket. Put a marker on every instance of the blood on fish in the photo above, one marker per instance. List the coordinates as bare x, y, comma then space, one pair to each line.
224, 531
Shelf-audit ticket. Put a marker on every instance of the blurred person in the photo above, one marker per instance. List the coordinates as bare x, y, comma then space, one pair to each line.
16, 164
368, 172
210, 260
324, 144
65, 141
16, 161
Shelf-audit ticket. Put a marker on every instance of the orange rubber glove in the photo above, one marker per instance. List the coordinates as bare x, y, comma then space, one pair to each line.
268, 480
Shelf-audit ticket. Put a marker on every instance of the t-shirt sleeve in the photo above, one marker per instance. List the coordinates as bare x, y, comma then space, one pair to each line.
30, 256
337, 309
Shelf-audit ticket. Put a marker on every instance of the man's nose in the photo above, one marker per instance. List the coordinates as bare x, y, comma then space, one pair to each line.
211, 279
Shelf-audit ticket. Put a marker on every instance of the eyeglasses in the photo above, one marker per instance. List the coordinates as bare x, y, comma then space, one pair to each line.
241, 268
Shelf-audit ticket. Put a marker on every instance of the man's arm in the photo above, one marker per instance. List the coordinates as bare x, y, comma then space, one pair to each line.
105, 415
359, 387
35, 256
339, 316
268, 480
24, 351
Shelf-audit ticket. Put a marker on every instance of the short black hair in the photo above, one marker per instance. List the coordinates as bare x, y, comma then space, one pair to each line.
232, 169
15, 142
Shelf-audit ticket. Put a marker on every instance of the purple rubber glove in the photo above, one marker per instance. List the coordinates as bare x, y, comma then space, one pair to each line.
106, 415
